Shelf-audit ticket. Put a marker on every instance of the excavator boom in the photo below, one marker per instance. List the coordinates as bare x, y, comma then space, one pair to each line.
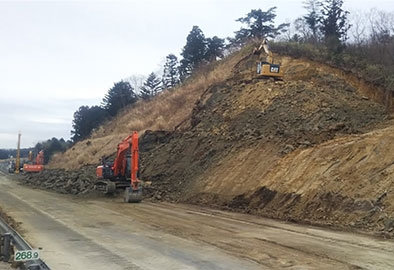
134, 159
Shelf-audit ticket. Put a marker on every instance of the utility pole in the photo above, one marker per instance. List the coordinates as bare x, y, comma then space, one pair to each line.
18, 154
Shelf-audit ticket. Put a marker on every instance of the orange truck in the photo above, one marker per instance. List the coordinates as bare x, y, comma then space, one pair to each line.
38, 164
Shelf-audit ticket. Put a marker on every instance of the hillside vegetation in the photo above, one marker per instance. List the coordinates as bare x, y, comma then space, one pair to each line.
163, 112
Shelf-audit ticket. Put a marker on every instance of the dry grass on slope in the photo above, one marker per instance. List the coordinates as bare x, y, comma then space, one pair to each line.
163, 112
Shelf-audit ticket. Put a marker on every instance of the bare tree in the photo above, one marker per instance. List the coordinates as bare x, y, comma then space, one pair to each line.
302, 28
359, 28
287, 32
136, 81
382, 26
312, 18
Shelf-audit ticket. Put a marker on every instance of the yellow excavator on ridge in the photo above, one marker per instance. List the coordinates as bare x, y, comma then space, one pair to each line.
266, 67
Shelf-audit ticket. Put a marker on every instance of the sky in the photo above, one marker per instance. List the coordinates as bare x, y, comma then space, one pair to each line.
56, 56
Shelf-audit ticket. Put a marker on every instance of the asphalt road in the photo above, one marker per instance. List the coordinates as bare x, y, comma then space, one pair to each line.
105, 233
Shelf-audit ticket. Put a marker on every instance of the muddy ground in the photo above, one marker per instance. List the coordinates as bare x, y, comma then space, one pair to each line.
105, 233
9, 220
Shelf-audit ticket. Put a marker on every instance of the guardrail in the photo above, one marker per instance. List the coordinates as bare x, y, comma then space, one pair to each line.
11, 239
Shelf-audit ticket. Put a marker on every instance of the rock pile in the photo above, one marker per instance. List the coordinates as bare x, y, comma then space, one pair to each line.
72, 182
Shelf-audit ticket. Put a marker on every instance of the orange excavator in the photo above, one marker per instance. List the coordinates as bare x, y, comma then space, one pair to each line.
122, 173
37, 165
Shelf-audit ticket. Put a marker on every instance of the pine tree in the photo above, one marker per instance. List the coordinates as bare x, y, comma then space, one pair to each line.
260, 24
51, 146
214, 49
171, 76
193, 52
85, 120
334, 21
152, 86
312, 18
118, 97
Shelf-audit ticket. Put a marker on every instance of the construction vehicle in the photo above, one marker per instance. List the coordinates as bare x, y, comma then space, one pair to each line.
122, 173
18, 155
30, 156
266, 67
11, 166
35, 166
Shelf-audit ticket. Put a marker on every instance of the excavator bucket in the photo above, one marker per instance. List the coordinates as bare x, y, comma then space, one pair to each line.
133, 195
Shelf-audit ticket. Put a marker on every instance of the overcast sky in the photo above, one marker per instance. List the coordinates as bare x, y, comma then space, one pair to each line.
58, 55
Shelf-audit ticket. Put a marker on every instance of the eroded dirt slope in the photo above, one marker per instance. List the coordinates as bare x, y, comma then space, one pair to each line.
275, 148
345, 181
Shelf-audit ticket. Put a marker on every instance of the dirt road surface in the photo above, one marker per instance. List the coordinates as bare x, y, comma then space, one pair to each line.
105, 233
5, 266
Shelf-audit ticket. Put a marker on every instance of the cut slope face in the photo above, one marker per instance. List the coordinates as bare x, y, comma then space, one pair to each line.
345, 181
272, 148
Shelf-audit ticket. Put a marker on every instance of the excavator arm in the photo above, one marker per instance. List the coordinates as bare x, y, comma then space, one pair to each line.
134, 160
264, 47
134, 192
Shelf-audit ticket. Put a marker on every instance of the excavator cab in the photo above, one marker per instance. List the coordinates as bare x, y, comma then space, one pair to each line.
269, 70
